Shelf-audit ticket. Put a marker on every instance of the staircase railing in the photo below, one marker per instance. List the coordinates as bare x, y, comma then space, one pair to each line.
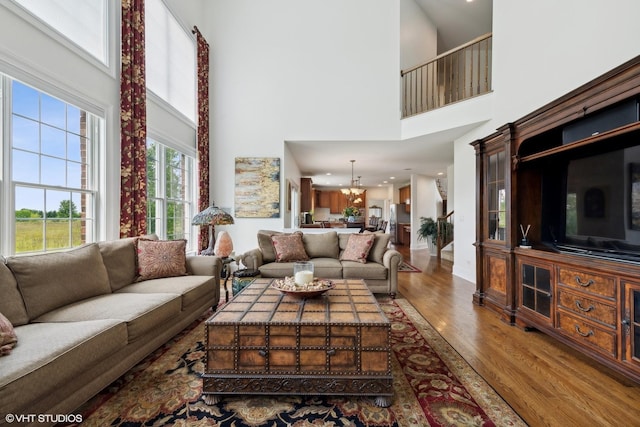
456, 75
445, 232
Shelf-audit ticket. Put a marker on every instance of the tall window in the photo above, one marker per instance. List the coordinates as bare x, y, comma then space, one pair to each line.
171, 194
52, 173
170, 59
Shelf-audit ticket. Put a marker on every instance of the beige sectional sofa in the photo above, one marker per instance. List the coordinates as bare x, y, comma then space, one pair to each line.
82, 320
326, 250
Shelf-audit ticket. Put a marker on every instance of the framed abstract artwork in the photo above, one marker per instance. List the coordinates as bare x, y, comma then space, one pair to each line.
257, 189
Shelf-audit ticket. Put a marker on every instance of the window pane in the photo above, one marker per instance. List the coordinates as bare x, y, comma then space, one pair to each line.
29, 204
57, 203
53, 141
29, 235
25, 167
74, 147
26, 101
170, 59
52, 111
26, 134
81, 21
73, 119
74, 175
57, 235
53, 171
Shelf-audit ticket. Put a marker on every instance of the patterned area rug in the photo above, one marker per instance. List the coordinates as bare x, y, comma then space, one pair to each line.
405, 267
433, 386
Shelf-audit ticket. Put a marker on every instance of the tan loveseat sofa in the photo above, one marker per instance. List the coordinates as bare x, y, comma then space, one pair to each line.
82, 320
380, 271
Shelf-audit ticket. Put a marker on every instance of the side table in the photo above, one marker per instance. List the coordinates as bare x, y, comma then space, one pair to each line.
241, 278
225, 273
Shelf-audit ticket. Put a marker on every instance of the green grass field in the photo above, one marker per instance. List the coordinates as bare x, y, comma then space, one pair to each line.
30, 235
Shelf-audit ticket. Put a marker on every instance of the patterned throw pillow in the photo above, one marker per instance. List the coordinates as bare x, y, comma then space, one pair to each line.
8, 337
161, 258
289, 247
358, 247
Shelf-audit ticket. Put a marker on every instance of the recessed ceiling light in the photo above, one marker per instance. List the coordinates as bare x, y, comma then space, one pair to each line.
440, 173
328, 173
385, 182
392, 177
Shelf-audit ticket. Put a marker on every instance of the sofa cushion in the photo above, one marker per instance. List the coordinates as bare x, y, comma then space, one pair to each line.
11, 304
141, 312
358, 248
191, 288
321, 245
343, 239
64, 277
161, 258
266, 244
329, 268
8, 338
370, 270
380, 245
52, 354
289, 247
119, 257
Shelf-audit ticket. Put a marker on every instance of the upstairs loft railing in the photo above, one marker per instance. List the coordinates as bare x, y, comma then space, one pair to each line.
445, 232
453, 76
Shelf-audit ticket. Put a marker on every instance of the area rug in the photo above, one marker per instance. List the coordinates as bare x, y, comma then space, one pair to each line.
405, 267
433, 386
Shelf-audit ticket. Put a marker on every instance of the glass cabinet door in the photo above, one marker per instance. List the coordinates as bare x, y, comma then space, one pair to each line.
497, 196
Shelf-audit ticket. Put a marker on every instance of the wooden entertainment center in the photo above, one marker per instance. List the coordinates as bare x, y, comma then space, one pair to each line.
577, 278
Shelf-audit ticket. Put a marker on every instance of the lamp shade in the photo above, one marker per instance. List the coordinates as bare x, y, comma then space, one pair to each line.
212, 216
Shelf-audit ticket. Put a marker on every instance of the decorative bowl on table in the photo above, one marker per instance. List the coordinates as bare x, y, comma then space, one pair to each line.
312, 289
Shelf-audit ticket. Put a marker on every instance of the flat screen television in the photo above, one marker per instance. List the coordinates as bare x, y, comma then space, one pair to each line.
591, 202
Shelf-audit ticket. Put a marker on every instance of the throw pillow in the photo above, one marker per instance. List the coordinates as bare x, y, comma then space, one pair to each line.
289, 247
358, 247
321, 245
8, 338
161, 258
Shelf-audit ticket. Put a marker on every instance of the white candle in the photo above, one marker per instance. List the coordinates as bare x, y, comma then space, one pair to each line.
303, 277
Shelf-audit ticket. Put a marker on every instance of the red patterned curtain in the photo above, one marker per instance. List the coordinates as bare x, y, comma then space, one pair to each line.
203, 131
133, 122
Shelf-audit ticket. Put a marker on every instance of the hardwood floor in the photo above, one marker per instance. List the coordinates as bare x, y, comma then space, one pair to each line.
544, 381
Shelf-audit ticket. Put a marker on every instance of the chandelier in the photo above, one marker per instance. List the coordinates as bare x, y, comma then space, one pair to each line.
354, 191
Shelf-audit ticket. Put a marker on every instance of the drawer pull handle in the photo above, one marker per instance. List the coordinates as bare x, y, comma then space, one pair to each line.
583, 284
581, 308
262, 353
331, 352
582, 334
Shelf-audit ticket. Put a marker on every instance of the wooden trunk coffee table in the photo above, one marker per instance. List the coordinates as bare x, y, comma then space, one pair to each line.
266, 342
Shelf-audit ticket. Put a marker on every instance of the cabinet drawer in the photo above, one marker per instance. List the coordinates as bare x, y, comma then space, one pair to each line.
587, 281
587, 333
582, 305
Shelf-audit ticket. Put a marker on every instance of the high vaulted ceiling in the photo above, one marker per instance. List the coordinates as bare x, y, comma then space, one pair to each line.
457, 22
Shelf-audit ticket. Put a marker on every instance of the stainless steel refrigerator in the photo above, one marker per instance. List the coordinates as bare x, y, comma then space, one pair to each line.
397, 215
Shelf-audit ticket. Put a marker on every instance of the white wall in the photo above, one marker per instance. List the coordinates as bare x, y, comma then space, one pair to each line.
418, 35
297, 70
425, 201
